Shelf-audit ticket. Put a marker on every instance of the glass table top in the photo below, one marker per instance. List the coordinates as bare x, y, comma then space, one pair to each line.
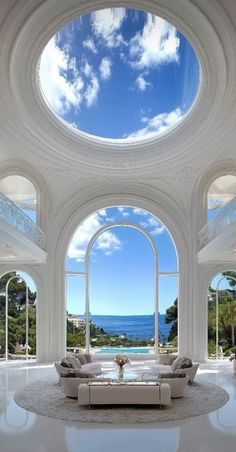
127, 375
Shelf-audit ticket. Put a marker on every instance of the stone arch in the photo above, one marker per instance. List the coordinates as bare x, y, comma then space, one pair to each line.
169, 216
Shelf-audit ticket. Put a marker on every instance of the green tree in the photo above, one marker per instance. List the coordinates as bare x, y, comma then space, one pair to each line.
226, 314
172, 316
17, 315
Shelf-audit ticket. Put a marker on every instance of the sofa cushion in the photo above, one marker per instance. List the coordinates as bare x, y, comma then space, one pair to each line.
172, 358
164, 359
94, 368
77, 373
179, 374
82, 358
176, 364
82, 374
186, 363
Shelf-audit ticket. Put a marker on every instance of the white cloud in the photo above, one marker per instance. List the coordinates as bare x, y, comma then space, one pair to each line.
87, 68
103, 212
89, 44
60, 92
105, 68
156, 225
107, 23
92, 91
123, 211
138, 211
141, 83
157, 124
108, 242
153, 224
157, 44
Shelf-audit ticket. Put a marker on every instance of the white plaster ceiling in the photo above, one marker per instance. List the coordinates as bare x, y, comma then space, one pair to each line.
68, 159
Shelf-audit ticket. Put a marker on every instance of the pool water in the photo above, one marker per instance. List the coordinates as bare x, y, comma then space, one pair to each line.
124, 350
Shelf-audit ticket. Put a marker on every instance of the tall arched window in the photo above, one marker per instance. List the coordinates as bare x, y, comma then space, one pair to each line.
222, 315
122, 282
17, 316
22, 192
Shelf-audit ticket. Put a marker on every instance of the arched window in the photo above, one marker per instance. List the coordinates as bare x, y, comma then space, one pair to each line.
123, 284
17, 316
222, 315
220, 192
22, 192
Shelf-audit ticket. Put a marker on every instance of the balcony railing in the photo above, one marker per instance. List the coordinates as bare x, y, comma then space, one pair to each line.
12, 215
219, 224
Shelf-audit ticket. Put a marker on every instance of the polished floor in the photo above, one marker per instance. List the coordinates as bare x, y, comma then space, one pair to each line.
22, 431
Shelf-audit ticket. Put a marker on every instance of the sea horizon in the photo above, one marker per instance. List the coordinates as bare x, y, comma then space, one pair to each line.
135, 326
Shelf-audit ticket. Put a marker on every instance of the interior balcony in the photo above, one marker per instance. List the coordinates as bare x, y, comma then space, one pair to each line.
21, 240
217, 239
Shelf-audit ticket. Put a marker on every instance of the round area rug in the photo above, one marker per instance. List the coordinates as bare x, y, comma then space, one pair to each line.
48, 399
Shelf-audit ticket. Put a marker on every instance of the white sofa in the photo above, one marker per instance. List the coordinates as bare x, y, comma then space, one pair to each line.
124, 394
70, 385
164, 364
159, 368
93, 368
178, 385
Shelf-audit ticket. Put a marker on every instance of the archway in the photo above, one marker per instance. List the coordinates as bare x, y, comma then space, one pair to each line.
222, 315
17, 316
166, 278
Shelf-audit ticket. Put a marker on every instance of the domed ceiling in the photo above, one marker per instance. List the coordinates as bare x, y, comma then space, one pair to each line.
119, 73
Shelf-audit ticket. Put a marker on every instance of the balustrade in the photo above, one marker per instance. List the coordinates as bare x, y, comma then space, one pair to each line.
16, 218
219, 224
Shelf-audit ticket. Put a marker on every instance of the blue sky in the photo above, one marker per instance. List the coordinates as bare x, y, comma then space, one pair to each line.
119, 73
122, 264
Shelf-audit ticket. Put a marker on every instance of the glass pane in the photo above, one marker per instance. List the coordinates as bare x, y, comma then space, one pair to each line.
168, 322
75, 312
17, 314
122, 291
223, 325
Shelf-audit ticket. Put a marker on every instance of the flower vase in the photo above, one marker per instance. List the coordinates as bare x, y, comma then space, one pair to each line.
121, 372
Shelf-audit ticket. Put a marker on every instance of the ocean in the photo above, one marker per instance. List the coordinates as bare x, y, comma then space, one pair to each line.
133, 326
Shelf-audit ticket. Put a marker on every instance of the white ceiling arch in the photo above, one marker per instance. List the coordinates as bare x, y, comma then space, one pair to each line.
32, 29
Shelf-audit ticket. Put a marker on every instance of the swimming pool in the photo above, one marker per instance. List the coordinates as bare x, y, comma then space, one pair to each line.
124, 350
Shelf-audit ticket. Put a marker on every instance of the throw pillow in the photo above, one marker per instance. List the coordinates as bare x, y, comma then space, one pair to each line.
164, 359
88, 357
71, 362
176, 364
65, 362
186, 363
82, 358
81, 374
172, 357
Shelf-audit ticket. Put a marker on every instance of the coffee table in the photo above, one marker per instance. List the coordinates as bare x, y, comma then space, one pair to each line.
128, 376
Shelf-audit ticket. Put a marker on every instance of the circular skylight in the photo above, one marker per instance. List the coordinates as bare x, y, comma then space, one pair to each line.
119, 73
